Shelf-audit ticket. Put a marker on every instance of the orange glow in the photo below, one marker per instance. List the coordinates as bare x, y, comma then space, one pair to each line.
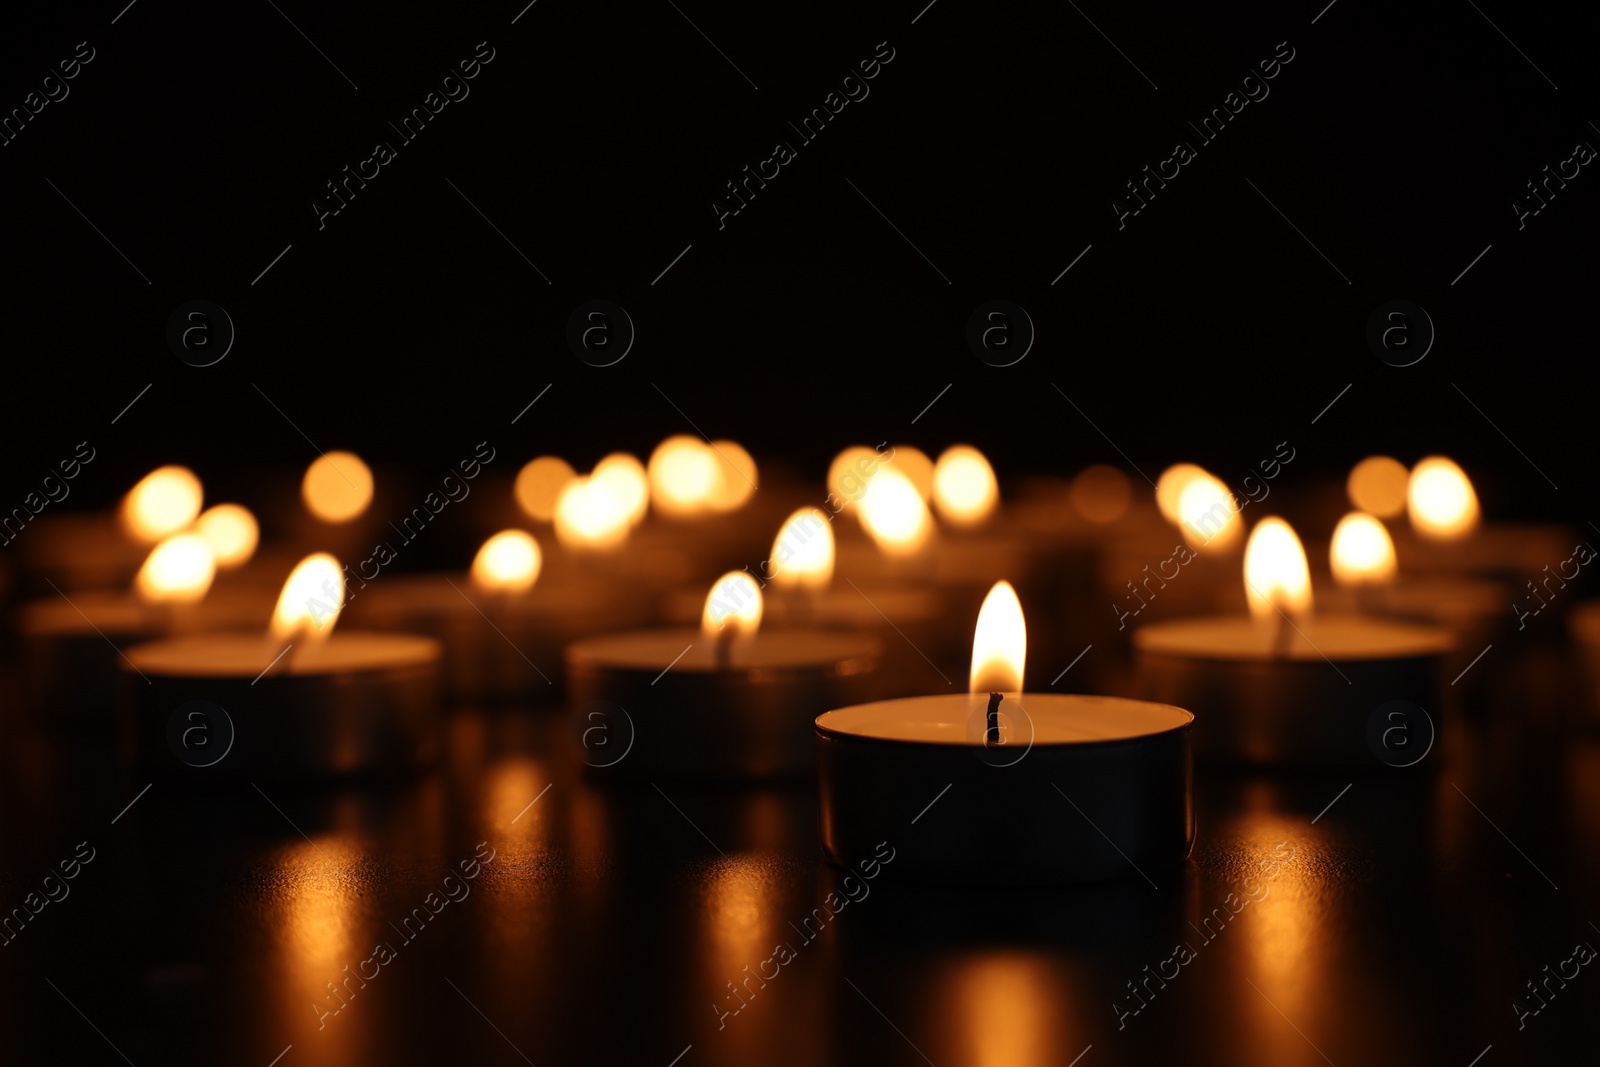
893, 513
1101, 494
850, 471
915, 465
1378, 485
178, 571
1008, 1009
1442, 504
508, 562
736, 476
1276, 575
1170, 486
591, 514
1207, 514
964, 487
734, 604
311, 600
1361, 552
626, 477
337, 486
683, 475
802, 554
163, 502
999, 643
232, 533
539, 484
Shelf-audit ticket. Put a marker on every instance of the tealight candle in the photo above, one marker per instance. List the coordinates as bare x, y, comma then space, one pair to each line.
300, 702
728, 700
1448, 534
1015, 766
1283, 685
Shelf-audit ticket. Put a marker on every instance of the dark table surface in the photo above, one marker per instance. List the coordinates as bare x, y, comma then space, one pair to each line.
1404, 917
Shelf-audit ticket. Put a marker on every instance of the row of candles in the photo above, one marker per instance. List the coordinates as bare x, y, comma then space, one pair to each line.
746, 694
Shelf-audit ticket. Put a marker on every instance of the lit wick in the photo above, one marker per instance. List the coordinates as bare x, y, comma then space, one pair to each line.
1283, 637
993, 735
724, 647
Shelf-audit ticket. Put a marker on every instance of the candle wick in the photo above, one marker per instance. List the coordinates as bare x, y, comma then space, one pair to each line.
1283, 637
992, 736
724, 647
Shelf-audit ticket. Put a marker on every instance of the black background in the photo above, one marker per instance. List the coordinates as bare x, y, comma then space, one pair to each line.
599, 137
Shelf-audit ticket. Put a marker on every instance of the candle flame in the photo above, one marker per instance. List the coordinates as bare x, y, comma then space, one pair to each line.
231, 531
964, 487
626, 477
999, 643
915, 465
311, 600
1442, 504
508, 562
1276, 575
734, 602
1377, 485
736, 476
539, 484
802, 555
177, 571
683, 474
163, 502
591, 514
849, 473
893, 513
337, 486
1362, 552
1170, 486
1208, 515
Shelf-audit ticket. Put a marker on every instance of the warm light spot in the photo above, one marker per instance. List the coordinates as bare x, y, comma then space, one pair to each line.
734, 605
849, 472
1362, 552
999, 643
337, 486
1207, 515
231, 531
178, 571
508, 562
802, 555
683, 473
1276, 575
1171, 485
311, 600
893, 513
538, 485
591, 514
736, 476
964, 489
625, 476
1441, 501
164, 502
915, 465
1378, 485
1101, 494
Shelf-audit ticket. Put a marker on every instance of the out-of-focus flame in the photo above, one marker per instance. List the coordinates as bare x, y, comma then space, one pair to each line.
508, 562
1361, 552
1170, 486
999, 643
1440, 499
1101, 493
683, 474
232, 533
626, 477
311, 600
1207, 515
736, 476
964, 487
539, 484
163, 502
734, 604
591, 514
178, 571
802, 555
893, 513
850, 472
1276, 575
337, 486
1377, 485
915, 465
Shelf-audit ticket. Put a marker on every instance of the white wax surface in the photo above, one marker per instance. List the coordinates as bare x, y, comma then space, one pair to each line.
1333, 637
957, 719
247, 655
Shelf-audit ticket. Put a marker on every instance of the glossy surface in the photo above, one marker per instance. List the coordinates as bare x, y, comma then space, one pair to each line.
1396, 929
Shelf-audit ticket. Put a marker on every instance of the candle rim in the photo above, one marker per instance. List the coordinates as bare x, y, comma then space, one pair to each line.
831, 733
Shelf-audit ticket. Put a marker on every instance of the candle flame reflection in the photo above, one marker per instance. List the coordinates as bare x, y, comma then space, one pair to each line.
1276, 575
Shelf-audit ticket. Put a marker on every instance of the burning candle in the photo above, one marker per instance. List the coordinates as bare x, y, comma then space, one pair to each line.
728, 700
1284, 685
303, 702
1447, 531
1043, 788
